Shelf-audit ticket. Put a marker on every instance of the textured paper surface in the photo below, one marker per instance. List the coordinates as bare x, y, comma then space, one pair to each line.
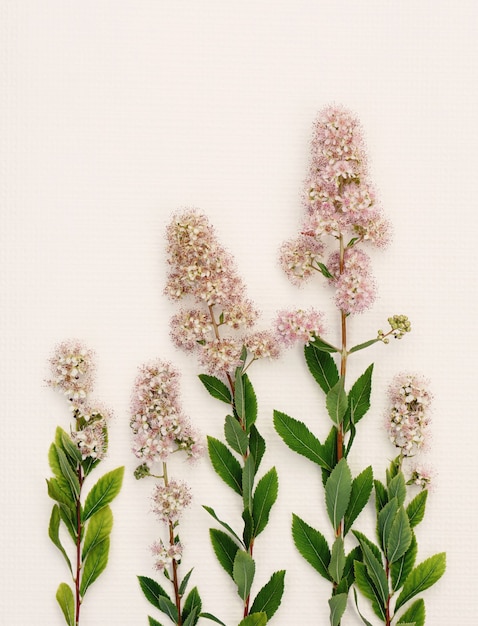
115, 113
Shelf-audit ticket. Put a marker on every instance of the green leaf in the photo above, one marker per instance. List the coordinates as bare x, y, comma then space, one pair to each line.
235, 436
414, 615
152, 590
94, 565
381, 495
225, 464
397, 488
248, 532
337, 604
248, 474
153, 622
365, 621
367, 587
416, 508
59, 490
254, 619
322, 367
337, 560
243, 573
359, 398
337, 402
264, 497
422, 577
376, 572
184, 582
89, 464
65, 599
400, 570
53, 461
348, 574
103, 492
299, 439
363, 345
192, 618
257, 446
324, 270
337, 492
361, 538
216, 388
400, 536
312, 545
223, 524
224, 548
64, 442
213, 618
98, 529
269, 597
245, 401
192, 605
54, 533
385, 520
359, 496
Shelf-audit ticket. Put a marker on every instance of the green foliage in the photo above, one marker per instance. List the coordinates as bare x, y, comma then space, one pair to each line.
337, 402
359, 496
312, 545
54, 534
363, 345
376, 572
184, 583
243, 573
269, 597
385, 520
265, 496
322, 367
216, 388
422, 577
400, 537
94, 565
359, 398
381, 495
365, 584
223, 524
65, 599
192, 607
299, 439
416, 508
225, 549
99, 528
235, 435
213, 618
337, 492
248, 475
337, 604
245, 401
152, 590
103, 492
225, 464
397, 488
254, 619
257, 446
402, 567
153, 622
415, 614
337, 560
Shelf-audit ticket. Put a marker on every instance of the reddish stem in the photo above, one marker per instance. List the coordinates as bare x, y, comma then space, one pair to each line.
78, 547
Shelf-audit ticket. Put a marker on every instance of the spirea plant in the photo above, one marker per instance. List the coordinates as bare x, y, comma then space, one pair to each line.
342, 218
86, 519
160, 429
218, 329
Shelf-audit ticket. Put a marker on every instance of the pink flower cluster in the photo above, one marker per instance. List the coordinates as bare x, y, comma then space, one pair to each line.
299, 326
408, 417
164, 556
169, 501
92, 439
158, 424
354, 283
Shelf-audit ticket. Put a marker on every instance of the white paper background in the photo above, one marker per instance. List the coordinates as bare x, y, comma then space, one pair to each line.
115, 113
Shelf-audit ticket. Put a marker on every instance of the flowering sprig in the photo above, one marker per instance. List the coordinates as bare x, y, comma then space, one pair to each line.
72, 456
219, 329
160, 429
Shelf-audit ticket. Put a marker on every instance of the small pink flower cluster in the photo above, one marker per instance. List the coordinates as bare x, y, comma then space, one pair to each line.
158, 424
164, 556
92, 439
169, 500
355, 287
408, 417
299, 326
421, 476
203, 270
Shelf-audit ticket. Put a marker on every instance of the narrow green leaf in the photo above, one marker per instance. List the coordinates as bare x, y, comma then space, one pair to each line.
54, 533
94, 565
363, 345
400, 536
337, 604
211, 617
376, 572
224, 548
416, 508
184, 582
59, 490
68, 517
152, 590
254, 619
269, 597
191, 619
299, 439
64, 442
243, 573
369, 590
53, 461
359, 398
248, 474
400, 570
264, 497
192, 605
359, 496
322, 367
324, 270
153, 622
225, 464
245, 400
248, 532
337, 492
361, 538
235, 436
223, 524
365, 621
168, 608
422, 577
98, 529
312, 545
337, 560
381, 495
348, 574
65, 599
257, 446
414, 615
397, 488
89, 464
216, 388
385, 520
337, 402
103, 492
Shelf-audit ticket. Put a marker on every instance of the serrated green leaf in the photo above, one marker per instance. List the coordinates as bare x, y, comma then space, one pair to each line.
184, 582
369, 590
257, 446
348, 574
53, 461
337, 560
94, 565
400, 536
103, 492
397, 488
336, 402
359, 398
359, 496
192, 606
68, 517
385, 520
225, 464
416, 508
245, 401
153, 622
255, 619
191, 619
248, 475
265, 496
361, 538
54, 533
99, 527
401, 569
415, 614
322, 367
312, 545
64, 442
59, 490
235, 436
422, 577
152, 590
216, 388
269, 597
213, 618
223, 524
337, 605
224, 548
376, 573
243, 573
365, 621
65, 599
337, 492
381, 495
248, 532
298, 437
